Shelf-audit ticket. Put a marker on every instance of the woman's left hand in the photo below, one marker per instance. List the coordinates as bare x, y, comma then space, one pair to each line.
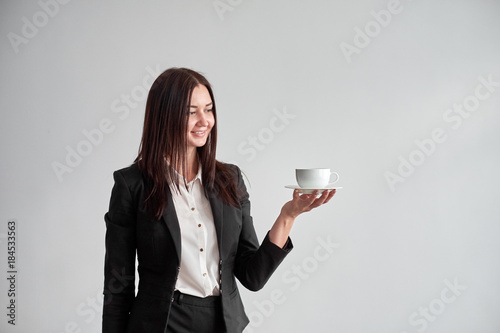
302, 203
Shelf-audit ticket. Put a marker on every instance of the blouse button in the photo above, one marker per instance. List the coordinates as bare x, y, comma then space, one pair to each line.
192, 208
199, 225
201, 250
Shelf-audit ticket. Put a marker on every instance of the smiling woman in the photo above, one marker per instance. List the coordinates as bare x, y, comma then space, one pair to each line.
187, 217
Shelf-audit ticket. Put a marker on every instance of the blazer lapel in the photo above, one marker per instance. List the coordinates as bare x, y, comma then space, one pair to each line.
217, 212
170, 219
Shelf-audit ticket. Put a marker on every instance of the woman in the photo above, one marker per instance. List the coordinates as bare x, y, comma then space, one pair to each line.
187, 216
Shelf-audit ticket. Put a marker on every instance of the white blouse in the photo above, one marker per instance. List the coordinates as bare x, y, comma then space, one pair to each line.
199, 273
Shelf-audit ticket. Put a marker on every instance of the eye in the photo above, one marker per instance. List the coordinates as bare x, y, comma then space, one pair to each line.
209, 110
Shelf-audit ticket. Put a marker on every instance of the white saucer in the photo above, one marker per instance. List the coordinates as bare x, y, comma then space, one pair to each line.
311, 190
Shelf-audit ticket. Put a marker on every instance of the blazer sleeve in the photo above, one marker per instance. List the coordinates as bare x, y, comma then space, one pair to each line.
119, 262
255, 264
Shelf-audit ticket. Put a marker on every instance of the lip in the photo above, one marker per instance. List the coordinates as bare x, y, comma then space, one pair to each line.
199, 133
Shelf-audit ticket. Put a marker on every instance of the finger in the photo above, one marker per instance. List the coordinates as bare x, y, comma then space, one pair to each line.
308, 199
325, 194
316, 200
330, 195
315, 195
325, 197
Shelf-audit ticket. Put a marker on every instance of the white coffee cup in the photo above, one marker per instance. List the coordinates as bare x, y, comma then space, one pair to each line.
315, 178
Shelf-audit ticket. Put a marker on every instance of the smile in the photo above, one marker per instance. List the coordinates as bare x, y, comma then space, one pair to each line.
199, 133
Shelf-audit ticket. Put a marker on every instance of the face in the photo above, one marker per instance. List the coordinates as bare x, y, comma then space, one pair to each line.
201, 118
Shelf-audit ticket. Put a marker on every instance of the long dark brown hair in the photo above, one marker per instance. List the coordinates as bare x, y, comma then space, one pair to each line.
164, 138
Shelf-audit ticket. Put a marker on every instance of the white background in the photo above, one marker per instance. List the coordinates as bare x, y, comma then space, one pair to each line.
402, 234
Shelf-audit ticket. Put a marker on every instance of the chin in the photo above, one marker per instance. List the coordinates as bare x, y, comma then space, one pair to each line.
198, 144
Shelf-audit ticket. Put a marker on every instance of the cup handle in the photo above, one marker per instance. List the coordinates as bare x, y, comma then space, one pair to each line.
336, 180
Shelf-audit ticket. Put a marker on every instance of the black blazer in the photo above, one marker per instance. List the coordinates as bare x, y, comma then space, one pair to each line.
131, 229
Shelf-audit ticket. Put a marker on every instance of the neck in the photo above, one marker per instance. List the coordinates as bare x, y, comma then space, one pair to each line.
192, 165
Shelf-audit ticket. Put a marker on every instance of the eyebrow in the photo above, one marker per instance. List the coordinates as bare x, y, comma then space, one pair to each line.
194, 106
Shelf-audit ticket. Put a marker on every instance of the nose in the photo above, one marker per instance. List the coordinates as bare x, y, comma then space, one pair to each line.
203, 119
